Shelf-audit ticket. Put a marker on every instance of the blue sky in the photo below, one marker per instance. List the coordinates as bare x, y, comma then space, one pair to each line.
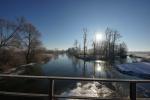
61, 21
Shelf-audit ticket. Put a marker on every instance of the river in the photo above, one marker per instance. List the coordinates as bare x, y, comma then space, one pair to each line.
66, 65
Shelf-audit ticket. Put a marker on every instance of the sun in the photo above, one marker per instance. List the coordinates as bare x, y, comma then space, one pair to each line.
98, 36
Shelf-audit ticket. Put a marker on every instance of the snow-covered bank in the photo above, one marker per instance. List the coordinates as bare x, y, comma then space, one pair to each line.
91, 89
30, 64
140, 54
140, 69
18, 70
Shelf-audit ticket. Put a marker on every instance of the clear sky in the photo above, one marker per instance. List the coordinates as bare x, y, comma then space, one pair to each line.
61, 21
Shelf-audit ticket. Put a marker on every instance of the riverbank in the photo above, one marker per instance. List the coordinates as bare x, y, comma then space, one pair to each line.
89, 57
21, 68
143, 55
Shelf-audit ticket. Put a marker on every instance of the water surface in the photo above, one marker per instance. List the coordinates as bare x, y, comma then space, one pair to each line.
66, 65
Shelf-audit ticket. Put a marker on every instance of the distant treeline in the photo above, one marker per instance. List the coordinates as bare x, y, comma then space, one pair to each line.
108, 48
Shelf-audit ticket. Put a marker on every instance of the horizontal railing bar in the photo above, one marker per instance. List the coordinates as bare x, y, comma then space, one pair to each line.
23, 94
59, 96
93, 98
74, 78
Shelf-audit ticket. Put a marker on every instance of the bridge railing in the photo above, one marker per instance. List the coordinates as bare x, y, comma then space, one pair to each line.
52, 80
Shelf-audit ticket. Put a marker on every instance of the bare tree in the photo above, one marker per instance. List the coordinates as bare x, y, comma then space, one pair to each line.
84, 41
9, 41
122, 50
31, 41
9, 31
115, 37
112, 37
94, 48
76, 46
79, 49
108, 33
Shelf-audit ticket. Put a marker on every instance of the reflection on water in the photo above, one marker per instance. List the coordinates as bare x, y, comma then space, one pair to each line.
99, 66
66, 65
99, 69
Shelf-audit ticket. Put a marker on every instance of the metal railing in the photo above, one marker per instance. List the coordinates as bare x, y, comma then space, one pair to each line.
52, 79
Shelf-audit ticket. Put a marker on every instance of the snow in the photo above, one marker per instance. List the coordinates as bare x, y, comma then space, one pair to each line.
142, 54
18, 70
30, 64
138, 68
91, 89
133, 59
10, 70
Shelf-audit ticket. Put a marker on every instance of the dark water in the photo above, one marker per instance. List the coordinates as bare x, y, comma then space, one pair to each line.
65, 65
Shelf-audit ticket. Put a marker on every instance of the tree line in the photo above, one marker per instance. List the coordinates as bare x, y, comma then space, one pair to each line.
109, 48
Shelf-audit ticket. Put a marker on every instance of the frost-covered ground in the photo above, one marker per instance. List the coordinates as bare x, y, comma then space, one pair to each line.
141, 69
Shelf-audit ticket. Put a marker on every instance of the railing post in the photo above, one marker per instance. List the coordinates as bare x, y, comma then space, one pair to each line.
51, 89
132, 90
